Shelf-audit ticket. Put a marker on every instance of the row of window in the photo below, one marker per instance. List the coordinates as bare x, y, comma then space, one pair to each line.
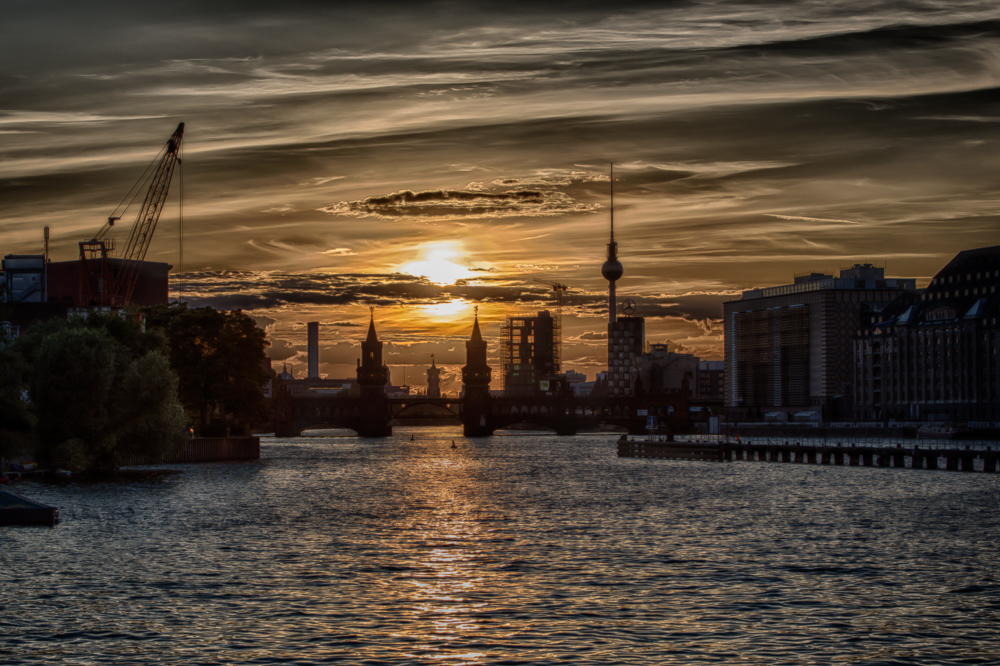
968, 276
975, 291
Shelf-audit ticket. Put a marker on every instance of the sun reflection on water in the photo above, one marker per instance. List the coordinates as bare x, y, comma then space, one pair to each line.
445, 551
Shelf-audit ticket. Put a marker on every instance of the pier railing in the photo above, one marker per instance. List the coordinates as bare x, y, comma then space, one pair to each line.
868, 433
964, 457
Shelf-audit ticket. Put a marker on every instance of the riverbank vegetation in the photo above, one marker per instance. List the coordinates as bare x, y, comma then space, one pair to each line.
84, 392
91, 389
219, 361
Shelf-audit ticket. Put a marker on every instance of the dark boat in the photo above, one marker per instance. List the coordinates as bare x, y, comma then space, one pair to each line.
17, 510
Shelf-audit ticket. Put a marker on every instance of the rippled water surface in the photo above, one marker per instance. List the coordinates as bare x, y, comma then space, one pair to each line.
512, 549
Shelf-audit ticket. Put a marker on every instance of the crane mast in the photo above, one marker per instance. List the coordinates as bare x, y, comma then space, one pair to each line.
100, 283
557, 330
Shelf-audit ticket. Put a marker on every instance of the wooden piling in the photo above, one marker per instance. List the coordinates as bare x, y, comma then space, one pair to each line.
857, 455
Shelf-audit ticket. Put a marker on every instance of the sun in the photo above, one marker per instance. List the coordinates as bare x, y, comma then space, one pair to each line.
448, 308
436, 264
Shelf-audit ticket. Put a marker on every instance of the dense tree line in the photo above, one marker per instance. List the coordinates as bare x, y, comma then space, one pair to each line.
219, 360
80, 393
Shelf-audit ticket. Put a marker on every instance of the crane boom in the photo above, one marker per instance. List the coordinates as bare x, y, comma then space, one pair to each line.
558, 288
100, 284
142, 231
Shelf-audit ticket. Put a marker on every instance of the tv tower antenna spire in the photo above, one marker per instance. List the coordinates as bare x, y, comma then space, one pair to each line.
612, 269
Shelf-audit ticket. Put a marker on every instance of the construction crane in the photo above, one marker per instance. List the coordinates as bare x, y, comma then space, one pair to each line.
108, 281
557, 329
559, 289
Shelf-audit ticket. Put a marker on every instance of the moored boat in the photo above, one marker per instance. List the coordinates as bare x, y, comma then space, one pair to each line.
18, 510
939, 432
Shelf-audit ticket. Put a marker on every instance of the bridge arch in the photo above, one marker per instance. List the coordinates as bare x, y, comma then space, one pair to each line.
527, 425
324, 426
425, 410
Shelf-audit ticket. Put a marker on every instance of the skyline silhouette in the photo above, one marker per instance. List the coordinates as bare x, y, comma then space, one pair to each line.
423, 159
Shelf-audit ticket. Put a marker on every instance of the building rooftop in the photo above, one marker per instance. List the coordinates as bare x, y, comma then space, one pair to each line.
859, 276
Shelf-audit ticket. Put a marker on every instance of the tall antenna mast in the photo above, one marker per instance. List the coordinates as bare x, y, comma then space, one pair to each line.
612, 269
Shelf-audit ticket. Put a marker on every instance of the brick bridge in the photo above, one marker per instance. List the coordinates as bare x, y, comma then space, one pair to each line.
372, 413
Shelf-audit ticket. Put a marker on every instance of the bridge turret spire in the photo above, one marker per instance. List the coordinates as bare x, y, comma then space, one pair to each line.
475, 356
371, 371
433, 380
477, 336
372, 335
372, 377
476, 375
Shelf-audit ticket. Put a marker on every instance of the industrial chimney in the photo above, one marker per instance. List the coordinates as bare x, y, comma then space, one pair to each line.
313, 349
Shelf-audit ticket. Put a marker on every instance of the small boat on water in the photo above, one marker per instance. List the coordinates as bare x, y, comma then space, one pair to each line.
18, 510
939, 432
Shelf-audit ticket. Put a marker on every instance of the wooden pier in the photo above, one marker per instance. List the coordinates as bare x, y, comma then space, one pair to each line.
959, 459
651, 448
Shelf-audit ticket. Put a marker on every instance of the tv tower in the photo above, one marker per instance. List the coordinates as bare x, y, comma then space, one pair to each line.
612, 269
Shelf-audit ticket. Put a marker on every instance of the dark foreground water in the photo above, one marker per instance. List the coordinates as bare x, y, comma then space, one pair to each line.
513, 549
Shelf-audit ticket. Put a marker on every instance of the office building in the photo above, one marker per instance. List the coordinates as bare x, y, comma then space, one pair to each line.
790, 348
934, 356
626, 339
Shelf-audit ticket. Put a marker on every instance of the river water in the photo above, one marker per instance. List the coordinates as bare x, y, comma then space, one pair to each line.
514, 549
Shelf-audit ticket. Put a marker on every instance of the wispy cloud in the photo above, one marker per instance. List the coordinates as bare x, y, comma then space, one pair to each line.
800, 218
468, 204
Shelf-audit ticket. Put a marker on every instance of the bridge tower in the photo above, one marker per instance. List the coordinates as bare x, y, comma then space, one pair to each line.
433, 380
373, 418
476, 375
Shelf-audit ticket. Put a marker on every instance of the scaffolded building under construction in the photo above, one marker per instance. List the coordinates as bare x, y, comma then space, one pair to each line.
529, 350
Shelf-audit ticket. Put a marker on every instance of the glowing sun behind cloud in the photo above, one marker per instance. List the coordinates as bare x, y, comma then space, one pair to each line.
449, 308
436, 264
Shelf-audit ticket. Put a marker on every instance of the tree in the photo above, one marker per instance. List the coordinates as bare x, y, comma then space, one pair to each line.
219, 360
16, 424
100, 388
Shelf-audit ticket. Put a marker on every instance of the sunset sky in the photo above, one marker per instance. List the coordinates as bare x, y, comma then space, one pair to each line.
425, 157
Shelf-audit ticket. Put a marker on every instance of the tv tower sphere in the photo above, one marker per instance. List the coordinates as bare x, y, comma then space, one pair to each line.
612, 269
